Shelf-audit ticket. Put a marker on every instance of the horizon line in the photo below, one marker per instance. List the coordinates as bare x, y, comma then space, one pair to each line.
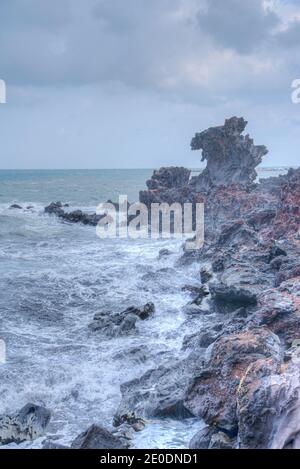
131, 168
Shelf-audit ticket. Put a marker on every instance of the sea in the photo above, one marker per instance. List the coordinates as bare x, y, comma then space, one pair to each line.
55, 276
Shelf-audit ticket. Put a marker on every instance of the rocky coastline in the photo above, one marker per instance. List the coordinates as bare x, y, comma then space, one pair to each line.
241, 374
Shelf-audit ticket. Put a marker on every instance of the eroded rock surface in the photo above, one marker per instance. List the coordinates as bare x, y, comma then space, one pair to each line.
231, 157
27, 424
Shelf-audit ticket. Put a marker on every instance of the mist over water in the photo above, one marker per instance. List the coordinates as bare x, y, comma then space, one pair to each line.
54, 277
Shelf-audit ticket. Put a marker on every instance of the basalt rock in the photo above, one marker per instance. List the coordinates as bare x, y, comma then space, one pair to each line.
27, 424
231, 157
160, 392
97, 437
268, 407
75, 216
118, 324
168, 178
212, 394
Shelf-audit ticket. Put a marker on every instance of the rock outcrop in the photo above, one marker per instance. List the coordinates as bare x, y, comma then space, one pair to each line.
27, 424
231, 157
118, 324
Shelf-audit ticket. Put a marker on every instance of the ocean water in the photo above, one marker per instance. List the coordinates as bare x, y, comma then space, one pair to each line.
55, 276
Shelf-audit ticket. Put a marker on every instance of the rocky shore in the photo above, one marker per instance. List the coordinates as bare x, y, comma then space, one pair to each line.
241, 372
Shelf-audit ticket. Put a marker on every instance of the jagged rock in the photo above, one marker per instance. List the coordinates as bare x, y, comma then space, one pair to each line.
260, 218
231, 157
232, 296
279, 310
76, 216
97, 437
199, 340
118, 324
213, 392
54, 208
202, 293
168, 178
205, 275
159, 393
27, 424
287, 221
130, 419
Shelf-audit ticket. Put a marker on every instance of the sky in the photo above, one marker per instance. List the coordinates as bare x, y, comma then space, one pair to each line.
127, 83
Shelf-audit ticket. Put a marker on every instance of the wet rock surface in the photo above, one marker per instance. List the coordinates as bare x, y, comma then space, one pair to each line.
97, 437
27, 424
118, 324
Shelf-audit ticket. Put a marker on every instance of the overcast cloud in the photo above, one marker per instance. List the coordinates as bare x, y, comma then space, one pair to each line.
114, 83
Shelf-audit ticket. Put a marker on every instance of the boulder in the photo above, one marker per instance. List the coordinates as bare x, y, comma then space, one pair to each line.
118, 324
96, 437
231, 157
27, 424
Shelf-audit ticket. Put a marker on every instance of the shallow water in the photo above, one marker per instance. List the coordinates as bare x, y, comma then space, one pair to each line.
54, 277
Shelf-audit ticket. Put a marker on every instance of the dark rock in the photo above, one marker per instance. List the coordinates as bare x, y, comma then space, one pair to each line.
55, 208
205, 275
276, 251
137, 424
76, 216
231, 157
218, 264
232, 296
164, 253
16, 206
167, 178
159, 393
260, 218
202, 439
203, 293
27, 424
118, 324
97, 437
199, 340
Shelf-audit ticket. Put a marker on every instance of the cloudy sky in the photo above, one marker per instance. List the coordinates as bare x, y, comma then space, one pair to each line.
116, 84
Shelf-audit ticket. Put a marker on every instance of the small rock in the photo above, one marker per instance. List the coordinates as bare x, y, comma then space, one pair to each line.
205, 275
164, 253
97, 437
